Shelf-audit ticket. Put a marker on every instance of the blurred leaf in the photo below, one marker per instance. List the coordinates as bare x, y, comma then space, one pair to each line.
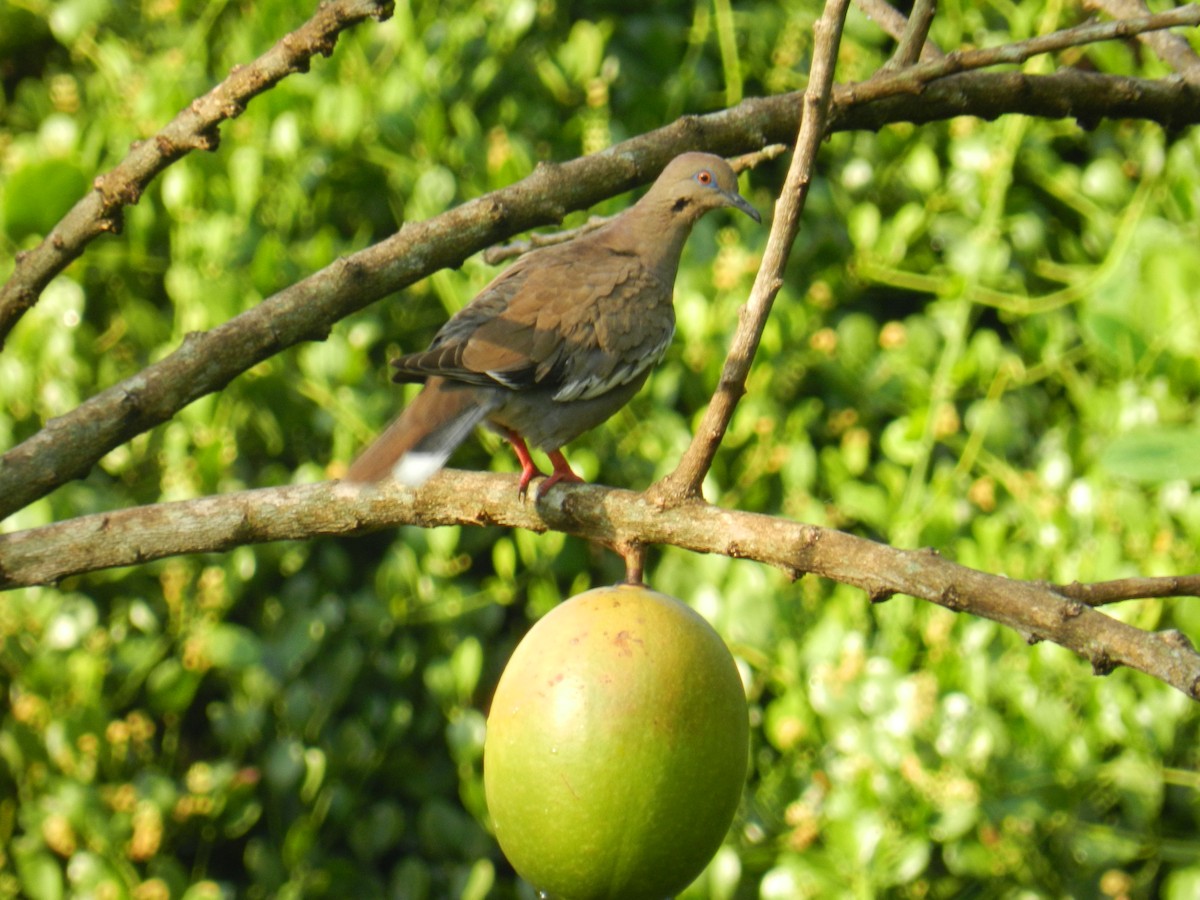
170, 686
1164, 454
1182, 884
480, 881
71, 17
466, 662
39, 194
19, 28
41, 877
231, 647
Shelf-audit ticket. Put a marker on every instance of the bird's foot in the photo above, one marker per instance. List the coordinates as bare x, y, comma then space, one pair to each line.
562, 473
529, 469
555, 478
528, 473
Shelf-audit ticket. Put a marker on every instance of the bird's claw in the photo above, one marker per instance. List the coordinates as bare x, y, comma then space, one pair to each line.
527, 476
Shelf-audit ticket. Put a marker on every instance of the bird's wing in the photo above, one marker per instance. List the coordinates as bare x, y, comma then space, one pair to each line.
578, 319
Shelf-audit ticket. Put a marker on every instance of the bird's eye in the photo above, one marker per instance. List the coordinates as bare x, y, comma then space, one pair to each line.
704, 177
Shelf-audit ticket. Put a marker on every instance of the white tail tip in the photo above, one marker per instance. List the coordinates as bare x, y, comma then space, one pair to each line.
416, 468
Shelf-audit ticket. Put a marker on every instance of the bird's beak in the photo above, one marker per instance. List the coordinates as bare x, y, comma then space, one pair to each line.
737, 201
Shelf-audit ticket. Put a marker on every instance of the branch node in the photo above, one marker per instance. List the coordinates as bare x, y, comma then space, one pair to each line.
1072, 609
167, 148
691, 124
352, 269
112, 223
880, 594
951, 599
296, 45
497, 212
1102, 664
231, 108
1175, 638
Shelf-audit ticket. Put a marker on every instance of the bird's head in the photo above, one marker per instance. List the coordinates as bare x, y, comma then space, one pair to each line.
694, 183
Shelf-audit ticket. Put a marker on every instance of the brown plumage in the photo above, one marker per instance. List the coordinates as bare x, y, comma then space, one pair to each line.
559, 341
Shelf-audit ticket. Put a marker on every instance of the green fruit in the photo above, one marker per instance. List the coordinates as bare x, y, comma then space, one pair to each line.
616, 747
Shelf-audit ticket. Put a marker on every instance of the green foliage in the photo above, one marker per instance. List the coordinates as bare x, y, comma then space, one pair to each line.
986, 344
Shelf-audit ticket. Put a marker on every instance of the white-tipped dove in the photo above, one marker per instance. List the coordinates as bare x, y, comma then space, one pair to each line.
559, 341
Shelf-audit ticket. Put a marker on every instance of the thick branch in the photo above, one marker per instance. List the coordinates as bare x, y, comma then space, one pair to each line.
684, 482
194, 128
615, 517
1087, 97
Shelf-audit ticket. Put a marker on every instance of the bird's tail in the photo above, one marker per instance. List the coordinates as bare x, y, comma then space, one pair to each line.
423, 436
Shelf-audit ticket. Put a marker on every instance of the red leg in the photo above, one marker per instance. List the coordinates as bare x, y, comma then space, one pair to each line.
562, 472
529, 469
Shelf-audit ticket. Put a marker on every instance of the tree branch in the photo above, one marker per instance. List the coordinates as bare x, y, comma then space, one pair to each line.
194, 128
915, 78
1087, 97
684, 482
615, 517
1172, 49
1105, 592
912, 40
894, 24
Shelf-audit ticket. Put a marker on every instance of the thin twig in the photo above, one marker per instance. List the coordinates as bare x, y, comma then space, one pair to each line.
916, 77
752, 160
617, 518
683, 484
1103, 592
894, 24
1173, 49
912, 41
101, 210
493, 256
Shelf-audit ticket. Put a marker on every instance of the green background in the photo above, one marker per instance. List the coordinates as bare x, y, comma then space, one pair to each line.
986, 343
